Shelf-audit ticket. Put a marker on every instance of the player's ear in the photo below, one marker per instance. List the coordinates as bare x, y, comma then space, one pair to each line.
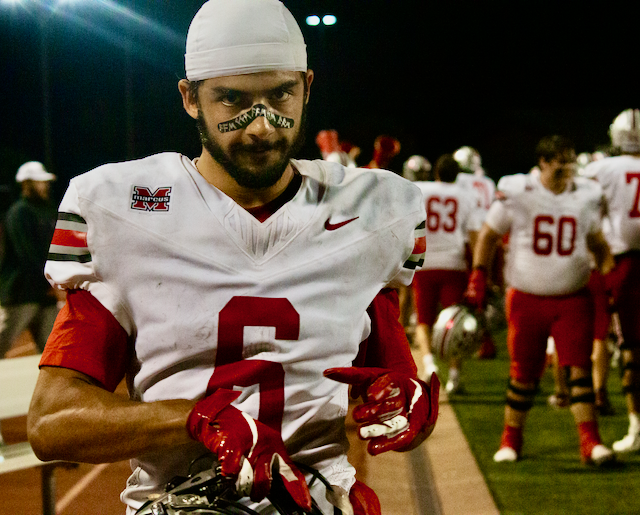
309, 78
189, 100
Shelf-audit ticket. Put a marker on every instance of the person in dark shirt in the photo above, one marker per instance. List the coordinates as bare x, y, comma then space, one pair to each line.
27, 301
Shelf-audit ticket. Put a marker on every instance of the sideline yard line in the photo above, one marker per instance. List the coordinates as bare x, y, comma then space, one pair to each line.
76, 490
425, 493
461, 487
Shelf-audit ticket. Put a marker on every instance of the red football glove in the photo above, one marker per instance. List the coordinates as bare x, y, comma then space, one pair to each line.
476, 293
399, 412
613, 282
246, 449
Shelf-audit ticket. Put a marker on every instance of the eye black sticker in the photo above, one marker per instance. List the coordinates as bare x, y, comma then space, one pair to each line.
243, 120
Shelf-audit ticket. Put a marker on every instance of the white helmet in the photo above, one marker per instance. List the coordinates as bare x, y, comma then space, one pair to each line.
583, 159
625, 131
458, 332
469, 159
416, 168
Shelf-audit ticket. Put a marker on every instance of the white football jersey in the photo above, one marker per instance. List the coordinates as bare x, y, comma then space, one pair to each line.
620, 180
484, 188
547, 252
450, 216
214, 298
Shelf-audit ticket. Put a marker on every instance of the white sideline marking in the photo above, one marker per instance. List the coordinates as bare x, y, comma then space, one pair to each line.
68, 498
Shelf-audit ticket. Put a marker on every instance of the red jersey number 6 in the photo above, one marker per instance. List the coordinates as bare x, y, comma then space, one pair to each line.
231, 369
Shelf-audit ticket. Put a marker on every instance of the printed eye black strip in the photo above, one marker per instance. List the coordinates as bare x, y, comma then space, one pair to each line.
243, 120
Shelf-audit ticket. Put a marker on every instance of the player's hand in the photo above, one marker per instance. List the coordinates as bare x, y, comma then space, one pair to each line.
246, 448
613, 282
476, 293
398, 413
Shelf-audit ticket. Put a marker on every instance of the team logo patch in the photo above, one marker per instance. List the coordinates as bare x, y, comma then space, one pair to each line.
143, 199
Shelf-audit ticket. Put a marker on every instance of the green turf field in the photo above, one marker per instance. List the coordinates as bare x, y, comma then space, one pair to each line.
549, 479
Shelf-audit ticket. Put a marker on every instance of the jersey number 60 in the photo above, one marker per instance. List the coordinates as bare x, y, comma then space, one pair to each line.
543, 235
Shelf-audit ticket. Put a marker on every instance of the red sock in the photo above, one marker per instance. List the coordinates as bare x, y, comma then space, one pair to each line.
589, 437
512, 437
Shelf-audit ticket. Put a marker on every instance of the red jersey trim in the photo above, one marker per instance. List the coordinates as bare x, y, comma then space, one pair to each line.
88, 339
68, 238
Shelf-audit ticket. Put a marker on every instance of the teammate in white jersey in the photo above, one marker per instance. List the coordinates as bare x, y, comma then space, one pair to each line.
474, 179
553, 220
443, 279
620, 180
235, 292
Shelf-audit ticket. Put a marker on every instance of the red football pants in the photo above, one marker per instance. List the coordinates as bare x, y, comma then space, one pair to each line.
533, 318
435, 290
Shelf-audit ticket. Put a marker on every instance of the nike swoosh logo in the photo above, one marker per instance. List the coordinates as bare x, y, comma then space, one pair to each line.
332, 227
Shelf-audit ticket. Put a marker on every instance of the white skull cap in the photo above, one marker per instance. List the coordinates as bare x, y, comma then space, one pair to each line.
236, 37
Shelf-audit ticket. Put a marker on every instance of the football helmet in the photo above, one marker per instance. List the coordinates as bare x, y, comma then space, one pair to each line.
583, 159
458, 332
625, 131
469, 159
417, 168
208, 492
494, 316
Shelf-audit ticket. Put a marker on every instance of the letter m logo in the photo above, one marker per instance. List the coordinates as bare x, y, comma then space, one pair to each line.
143, 199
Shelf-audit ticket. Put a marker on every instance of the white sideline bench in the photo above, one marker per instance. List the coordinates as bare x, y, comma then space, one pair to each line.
18, 378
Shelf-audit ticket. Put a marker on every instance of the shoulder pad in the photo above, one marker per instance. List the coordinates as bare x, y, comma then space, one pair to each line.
512, 184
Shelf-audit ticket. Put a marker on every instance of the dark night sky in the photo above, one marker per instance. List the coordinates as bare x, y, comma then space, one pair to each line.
436, 75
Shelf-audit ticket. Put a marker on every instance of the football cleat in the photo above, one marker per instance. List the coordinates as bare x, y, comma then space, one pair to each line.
559, 400
505, 454
631, 442
210, 493
458, 332
453, 385
600, 455
429, 367
625, 131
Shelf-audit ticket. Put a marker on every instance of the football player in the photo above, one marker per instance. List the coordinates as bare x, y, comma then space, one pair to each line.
443, 279
474, 179
554, 223
234, 292
416, 168
620, 180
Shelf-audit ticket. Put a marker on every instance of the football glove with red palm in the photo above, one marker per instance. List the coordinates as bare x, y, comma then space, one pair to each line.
398, 413
246, 448
476, 294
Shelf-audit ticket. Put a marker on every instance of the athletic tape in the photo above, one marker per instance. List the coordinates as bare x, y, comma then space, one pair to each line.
243, 120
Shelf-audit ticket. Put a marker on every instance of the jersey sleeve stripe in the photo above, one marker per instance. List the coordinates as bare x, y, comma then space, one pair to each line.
69, 242
416, 259
66, 238
71, 217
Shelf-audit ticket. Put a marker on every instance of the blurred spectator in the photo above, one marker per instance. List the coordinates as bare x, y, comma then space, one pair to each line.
27, 300
329, 144
385, 148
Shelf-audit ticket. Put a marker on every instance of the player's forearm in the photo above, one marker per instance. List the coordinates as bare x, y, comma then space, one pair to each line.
600, 249
485, 247
71, 419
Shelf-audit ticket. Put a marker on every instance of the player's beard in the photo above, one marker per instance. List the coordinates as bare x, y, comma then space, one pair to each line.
260, 177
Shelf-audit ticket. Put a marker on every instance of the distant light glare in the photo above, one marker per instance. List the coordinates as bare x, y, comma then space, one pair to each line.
329, 19
313, 20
